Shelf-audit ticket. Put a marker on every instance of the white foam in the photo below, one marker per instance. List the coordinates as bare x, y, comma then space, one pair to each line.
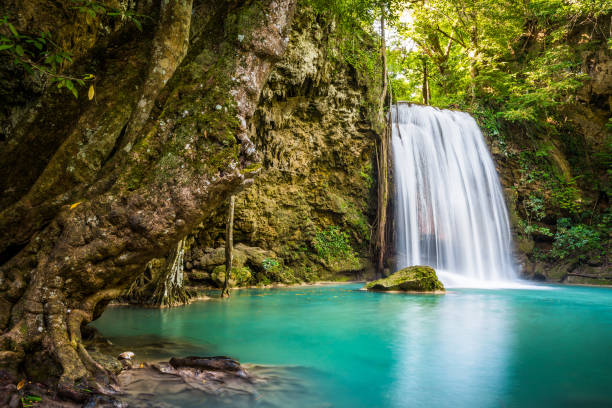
455, 280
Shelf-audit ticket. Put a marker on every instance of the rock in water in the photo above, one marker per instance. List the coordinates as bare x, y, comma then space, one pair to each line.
410, 279
219, 363
126, 355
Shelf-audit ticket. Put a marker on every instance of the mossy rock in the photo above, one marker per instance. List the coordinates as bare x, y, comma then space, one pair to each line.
411, 279
216, 257
198, 275
238, 276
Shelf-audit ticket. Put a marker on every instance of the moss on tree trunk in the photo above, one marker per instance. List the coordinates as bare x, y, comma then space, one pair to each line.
135, 171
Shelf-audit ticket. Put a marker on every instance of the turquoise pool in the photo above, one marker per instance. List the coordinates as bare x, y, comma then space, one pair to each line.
335, 346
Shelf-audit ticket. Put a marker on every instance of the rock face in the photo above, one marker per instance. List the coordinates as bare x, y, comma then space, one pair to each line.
315, 129
411, 279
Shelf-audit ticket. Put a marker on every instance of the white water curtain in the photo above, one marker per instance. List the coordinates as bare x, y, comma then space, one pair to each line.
450, 209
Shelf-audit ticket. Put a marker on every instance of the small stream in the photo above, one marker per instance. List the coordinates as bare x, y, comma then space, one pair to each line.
334, 346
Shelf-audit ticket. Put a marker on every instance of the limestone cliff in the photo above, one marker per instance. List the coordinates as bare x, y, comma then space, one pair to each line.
314, 126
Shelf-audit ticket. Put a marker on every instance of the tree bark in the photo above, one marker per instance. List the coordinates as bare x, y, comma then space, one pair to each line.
382, 160
135, 171
170, 290
425, 83
229, 245
383, 56
162, 282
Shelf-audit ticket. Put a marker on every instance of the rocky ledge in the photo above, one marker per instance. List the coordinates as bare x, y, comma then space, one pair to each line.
137, 385
422, 279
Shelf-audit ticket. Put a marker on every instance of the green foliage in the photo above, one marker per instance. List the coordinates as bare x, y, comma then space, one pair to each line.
333, 244
571, 239
367, 176
93, 8
532, 229
512, 55
30, 400
39, 53
270, 264
566, 195
535, 207
529, 229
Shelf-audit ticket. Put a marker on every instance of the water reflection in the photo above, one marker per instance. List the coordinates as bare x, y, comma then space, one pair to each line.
333, 347
453, 350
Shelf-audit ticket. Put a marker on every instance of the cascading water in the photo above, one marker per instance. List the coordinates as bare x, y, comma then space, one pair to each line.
450, 209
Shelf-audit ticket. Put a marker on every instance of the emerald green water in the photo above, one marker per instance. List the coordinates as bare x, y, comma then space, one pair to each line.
333, 346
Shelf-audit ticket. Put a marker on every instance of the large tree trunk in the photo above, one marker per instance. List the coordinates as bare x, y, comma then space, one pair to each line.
382, 161
133, 171
425, 89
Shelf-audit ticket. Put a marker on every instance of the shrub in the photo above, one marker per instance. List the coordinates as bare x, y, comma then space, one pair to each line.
570, 239
535, 208
332, 243
270, 264
334, 246
567, 196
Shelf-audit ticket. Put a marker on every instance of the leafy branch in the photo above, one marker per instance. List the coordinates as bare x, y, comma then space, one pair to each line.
93, 8
40, 53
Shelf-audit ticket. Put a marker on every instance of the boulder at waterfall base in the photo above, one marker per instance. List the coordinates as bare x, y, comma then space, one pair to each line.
411, 279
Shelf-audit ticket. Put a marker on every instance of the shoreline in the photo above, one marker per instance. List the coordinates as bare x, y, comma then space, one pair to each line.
202, 298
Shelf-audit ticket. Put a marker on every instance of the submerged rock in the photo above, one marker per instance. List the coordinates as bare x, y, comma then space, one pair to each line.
411, 279
219, 363
212, 376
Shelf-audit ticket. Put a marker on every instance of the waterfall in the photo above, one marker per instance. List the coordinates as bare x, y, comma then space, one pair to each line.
450, 209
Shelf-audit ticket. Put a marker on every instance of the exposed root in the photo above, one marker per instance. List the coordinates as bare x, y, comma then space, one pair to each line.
170, 290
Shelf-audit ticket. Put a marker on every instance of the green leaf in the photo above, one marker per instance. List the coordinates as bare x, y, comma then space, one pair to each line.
5, 47
137, 24
12, 28
71, 87
19, 50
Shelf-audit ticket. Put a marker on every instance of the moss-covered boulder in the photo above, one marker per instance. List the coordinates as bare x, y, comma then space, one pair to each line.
238, 276
411, 279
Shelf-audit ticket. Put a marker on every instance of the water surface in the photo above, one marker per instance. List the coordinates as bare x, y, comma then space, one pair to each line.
333, 346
